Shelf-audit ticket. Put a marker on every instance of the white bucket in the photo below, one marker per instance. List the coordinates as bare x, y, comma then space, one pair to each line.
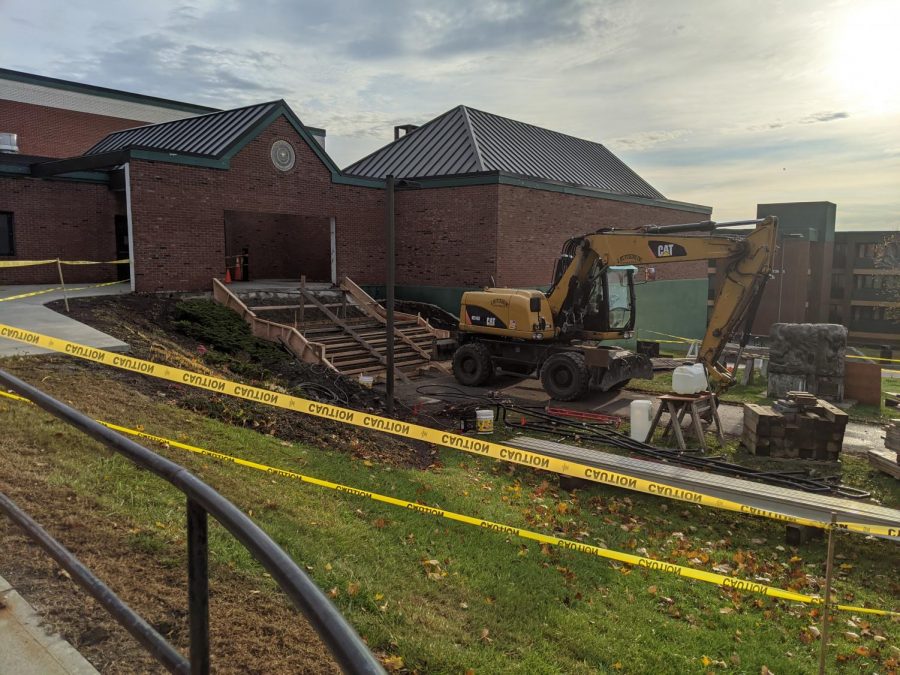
640, 419
484, 421
366, 381
689, 379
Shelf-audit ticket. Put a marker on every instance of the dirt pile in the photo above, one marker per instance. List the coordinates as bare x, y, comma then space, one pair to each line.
202, 336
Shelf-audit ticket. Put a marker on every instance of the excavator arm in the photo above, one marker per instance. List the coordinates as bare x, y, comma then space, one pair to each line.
749, 261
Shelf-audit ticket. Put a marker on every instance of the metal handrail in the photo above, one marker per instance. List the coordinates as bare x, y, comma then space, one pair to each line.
348, 649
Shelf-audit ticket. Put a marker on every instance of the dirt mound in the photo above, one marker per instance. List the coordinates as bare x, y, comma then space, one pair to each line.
202, 336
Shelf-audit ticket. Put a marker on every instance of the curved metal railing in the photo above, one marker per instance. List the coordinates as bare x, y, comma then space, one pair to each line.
346, 646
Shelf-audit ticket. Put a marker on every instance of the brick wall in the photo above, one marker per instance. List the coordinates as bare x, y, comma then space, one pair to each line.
60, 219
53, 132
179, 213
447, 236
534, 224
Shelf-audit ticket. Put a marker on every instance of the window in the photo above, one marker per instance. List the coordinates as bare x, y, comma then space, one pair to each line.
865, 250
835, 314
840, 256
7, 246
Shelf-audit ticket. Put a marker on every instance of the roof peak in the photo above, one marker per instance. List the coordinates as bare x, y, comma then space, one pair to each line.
466, 140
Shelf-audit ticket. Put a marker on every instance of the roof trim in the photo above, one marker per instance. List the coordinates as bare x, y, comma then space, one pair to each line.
105, 92
24, 171
504, 178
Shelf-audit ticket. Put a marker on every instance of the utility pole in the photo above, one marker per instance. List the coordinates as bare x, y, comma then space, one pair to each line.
389, 296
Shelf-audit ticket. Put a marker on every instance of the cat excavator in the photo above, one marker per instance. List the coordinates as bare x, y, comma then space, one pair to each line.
558, 335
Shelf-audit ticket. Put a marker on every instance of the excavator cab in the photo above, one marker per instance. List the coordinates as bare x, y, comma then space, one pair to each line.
602, 303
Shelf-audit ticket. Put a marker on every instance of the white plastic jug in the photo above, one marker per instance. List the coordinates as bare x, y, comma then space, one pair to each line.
689, 379
640, 419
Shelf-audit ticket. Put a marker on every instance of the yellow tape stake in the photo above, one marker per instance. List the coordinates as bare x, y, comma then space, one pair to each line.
364, 420
638, 561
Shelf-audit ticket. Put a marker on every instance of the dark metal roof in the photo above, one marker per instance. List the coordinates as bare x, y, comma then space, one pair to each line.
206, 135
464, 140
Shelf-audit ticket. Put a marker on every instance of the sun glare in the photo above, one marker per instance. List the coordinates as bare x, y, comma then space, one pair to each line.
866, 53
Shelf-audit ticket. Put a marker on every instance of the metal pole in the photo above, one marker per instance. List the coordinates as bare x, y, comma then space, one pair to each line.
198, 586
829, 568
63, 283
780, 279
389, 295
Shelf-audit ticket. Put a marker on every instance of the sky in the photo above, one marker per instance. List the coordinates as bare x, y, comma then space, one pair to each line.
727, 103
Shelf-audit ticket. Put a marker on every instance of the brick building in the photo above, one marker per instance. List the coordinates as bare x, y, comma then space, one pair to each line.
485, 198
826, 276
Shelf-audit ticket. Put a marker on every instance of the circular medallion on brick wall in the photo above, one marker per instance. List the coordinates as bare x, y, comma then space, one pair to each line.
283, 155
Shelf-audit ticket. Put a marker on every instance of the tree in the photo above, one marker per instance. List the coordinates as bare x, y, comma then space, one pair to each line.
887, 257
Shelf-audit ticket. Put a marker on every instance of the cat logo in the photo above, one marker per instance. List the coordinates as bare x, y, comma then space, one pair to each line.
629, 259
665, 249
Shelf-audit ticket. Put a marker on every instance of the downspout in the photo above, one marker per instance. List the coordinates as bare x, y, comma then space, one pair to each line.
130, 222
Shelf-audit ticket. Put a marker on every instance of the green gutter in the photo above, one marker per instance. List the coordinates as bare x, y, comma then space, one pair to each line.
24, 171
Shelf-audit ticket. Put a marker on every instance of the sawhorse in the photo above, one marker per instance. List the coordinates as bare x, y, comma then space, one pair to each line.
679, 405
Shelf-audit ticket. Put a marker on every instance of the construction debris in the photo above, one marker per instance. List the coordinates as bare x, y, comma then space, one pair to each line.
801, 426
892, 436
807, 356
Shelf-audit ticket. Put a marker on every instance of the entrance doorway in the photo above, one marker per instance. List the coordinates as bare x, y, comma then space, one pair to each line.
123, 272
279, 245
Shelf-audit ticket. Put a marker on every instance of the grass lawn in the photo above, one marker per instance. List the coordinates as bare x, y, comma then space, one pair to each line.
442, 597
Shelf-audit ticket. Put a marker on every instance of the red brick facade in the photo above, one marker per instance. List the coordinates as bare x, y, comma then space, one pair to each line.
534, 224
446, 237
179, 213
54, 132
60, 219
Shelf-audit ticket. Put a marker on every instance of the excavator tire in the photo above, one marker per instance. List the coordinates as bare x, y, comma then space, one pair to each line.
472, 365
565, 376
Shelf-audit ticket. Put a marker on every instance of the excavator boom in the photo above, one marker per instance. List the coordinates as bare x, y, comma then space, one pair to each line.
592, 298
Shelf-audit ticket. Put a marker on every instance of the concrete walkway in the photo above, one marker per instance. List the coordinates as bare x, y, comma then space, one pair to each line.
26, 648
31, 314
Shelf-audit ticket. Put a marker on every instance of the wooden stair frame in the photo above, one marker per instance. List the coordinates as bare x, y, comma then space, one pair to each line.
336, 320
290, 337
372, 308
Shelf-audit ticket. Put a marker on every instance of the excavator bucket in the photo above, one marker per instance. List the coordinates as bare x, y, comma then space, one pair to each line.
623, 366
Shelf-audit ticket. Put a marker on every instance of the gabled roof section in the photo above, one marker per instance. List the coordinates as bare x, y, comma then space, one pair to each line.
211, 135
465, 141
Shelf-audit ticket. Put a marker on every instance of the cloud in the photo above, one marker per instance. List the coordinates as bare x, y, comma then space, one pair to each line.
727, 94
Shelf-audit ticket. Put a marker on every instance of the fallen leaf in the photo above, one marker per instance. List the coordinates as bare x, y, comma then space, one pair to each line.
392, 663
352, 588
484, 635
334, 592
705, 660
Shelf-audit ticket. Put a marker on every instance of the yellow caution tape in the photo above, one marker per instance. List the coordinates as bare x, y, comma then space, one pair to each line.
475, 446
30, 263
871, 358
677, 337
68, 289
638, 561
24, 263
123, 261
